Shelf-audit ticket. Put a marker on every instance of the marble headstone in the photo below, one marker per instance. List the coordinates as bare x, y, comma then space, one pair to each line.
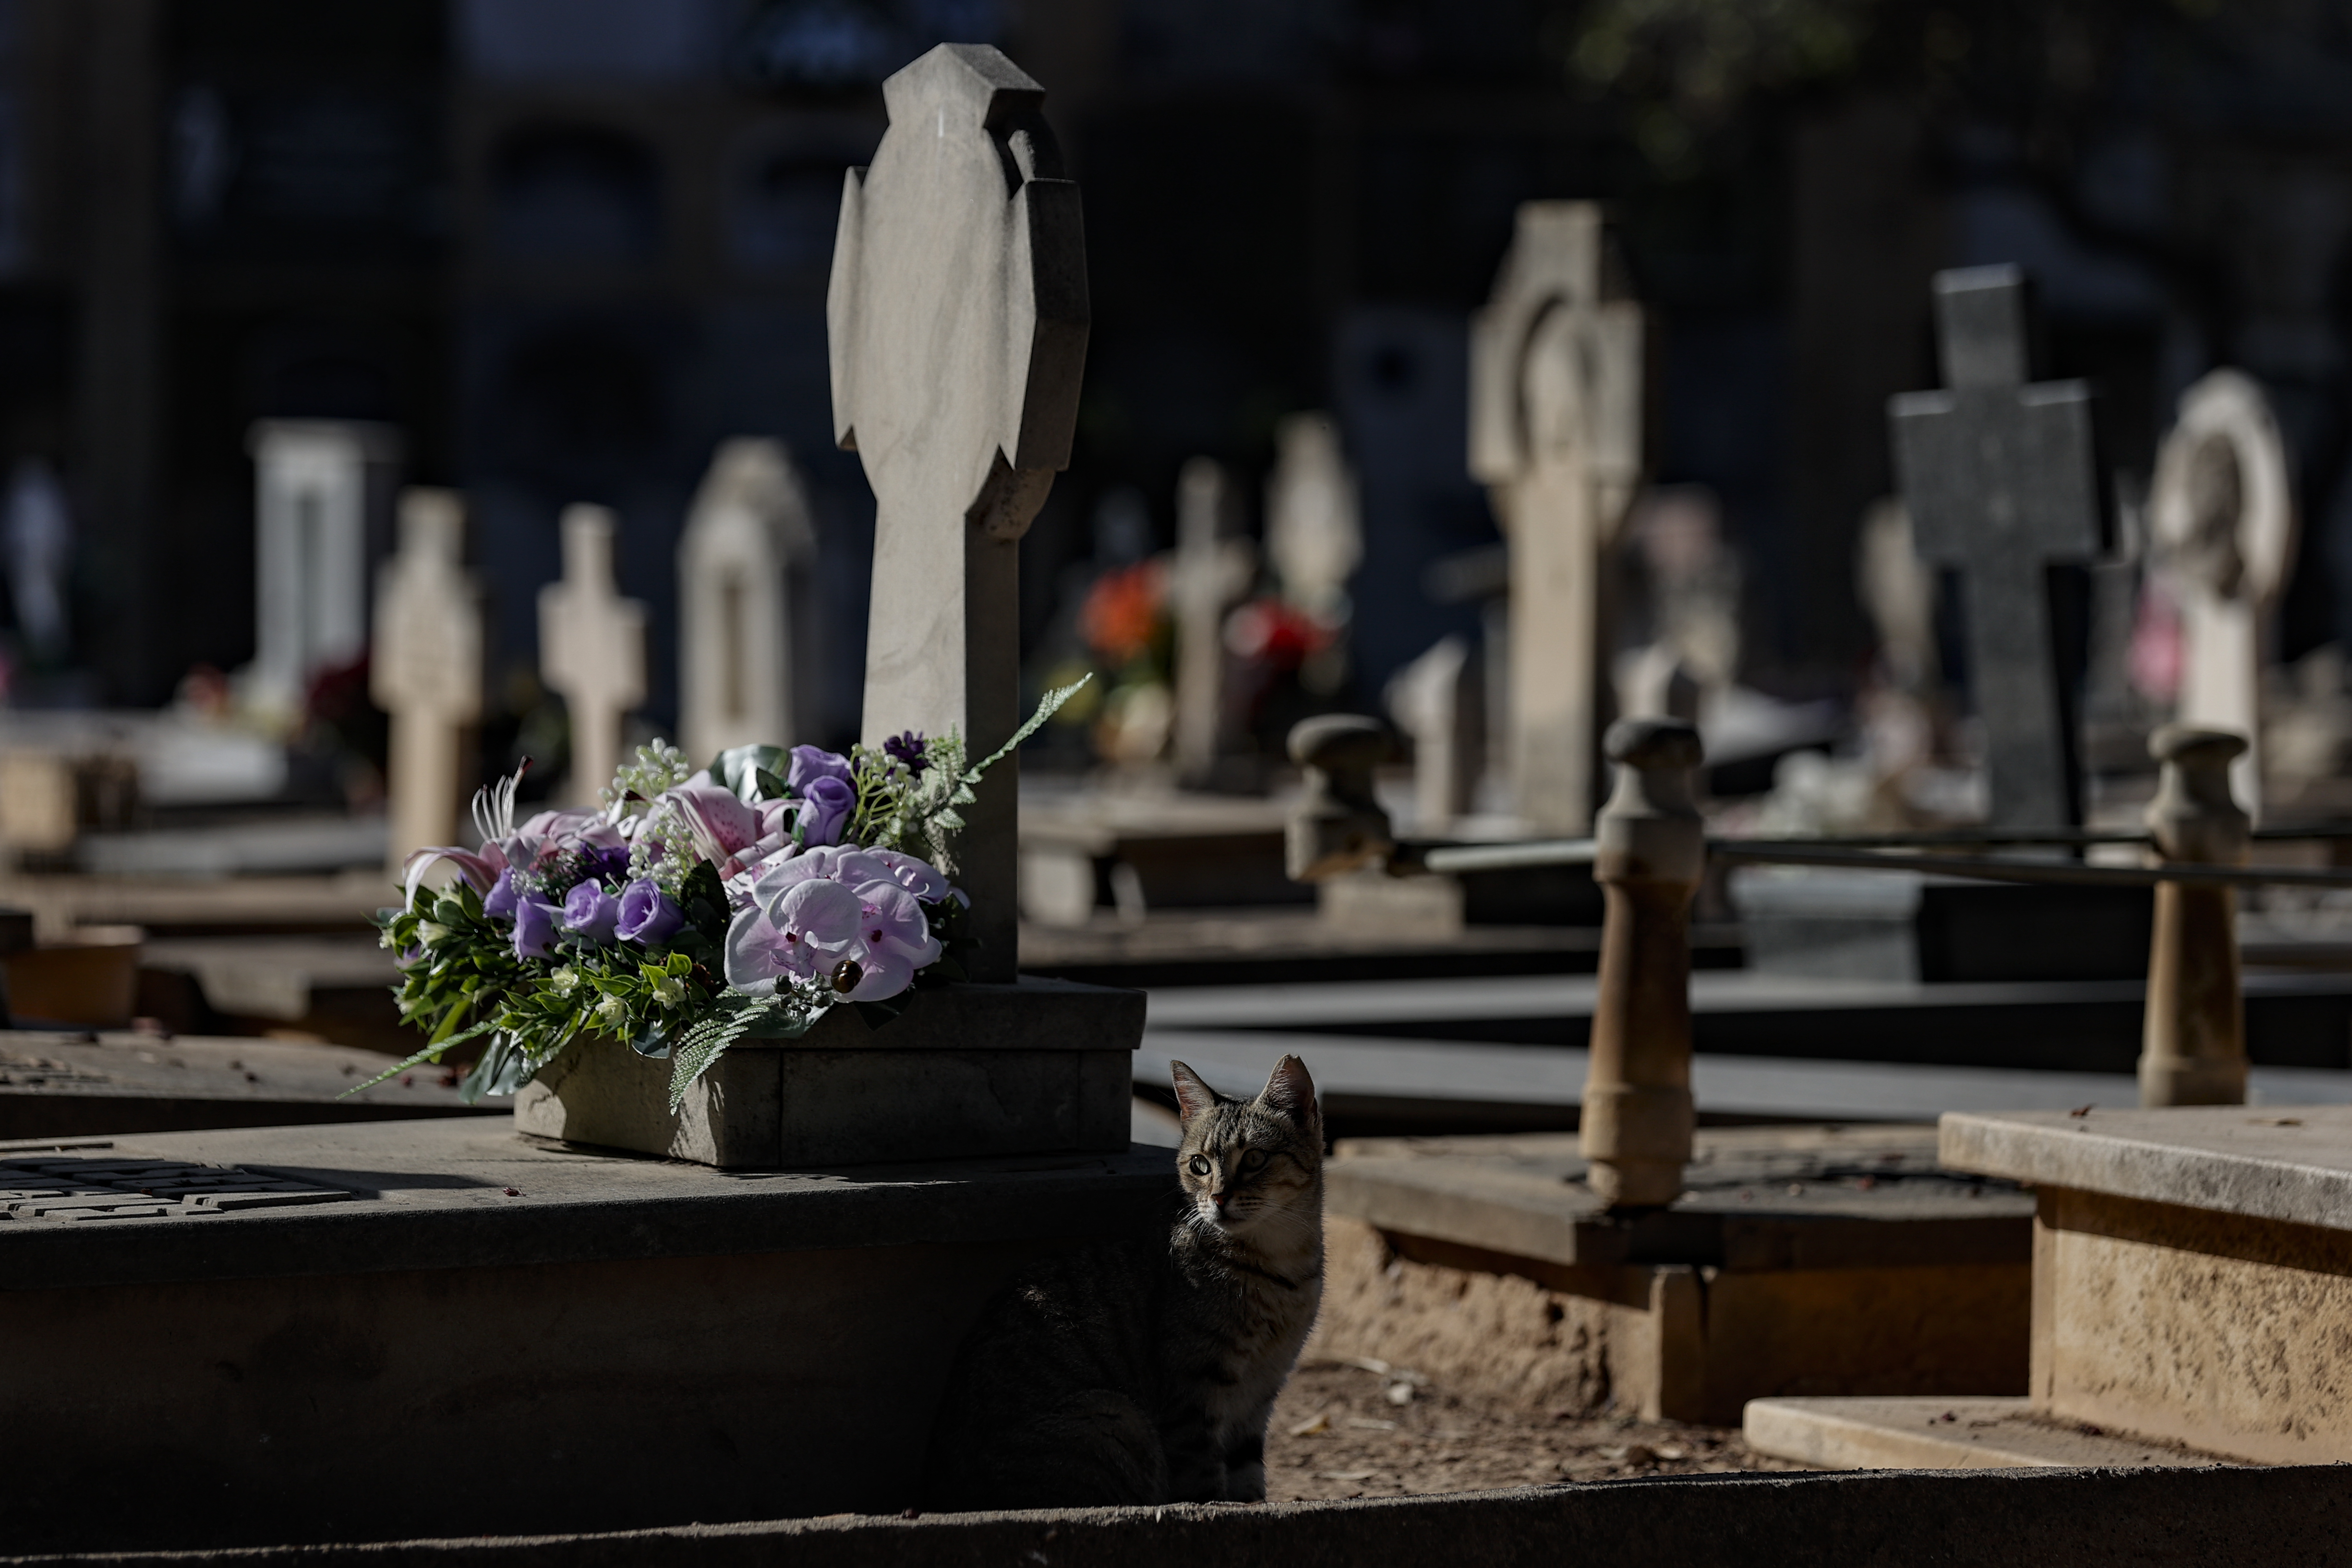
1997, 474
313, 489
1314, 531
1436, 701
957, 319
1212, 568
1556, 436
748, 530
2223, 514
426, 671
592, 651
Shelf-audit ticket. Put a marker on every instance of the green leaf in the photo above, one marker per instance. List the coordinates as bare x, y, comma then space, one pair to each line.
429, 1057
704, 1044
740, 768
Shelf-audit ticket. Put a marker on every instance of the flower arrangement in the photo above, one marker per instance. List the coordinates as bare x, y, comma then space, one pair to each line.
698, 907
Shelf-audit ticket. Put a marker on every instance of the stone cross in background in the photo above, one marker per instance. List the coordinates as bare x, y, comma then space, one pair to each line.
749, 527
592, 651
1314, 532
1213, 568
312, 489
1556, 436
426, 670
2222, 512
1999, 479
957, 320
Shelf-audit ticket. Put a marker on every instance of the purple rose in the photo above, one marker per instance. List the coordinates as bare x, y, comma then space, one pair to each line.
813, 762
647, 915
500, 898
590, 910
825, 805
534, 932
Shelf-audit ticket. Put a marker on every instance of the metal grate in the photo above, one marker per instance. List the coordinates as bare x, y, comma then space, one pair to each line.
129, 1188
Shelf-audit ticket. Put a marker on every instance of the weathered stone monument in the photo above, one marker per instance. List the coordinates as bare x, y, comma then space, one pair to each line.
1314, 532
1556, 436
426, 670
1437, 700
1999, 476
2222, 510
957, 315
592, 651
749, 528
2193, 1050
1212, 569
315, 482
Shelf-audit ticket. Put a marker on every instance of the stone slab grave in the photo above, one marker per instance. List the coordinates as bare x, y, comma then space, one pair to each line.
1796, 1259
426, 672
957, 316
2085, 1518
1999, 474
2193, 1283
748, 532
329, 986
592, 651
108, 1082
2222, 513
433, 1288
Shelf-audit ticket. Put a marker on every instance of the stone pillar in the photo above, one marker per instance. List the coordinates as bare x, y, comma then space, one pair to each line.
2193, 1044
1650, 850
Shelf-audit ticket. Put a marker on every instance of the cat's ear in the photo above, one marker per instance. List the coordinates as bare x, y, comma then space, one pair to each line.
1193, 1095
1291, 1092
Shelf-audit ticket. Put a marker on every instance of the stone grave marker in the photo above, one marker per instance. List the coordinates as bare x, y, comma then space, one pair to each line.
592, 651
749, 528
1436, 701
1213, 568
1997, 474
426, 671
2222, 512
313, 489
1314, 531
1556, 436
957, 314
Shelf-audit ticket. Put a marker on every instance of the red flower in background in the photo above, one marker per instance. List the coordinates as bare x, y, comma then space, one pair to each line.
1277, 635
1121, 612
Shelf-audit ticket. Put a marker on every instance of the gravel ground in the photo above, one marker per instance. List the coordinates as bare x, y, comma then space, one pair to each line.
1345, 1429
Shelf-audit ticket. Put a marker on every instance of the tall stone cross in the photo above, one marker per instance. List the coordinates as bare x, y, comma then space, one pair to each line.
747, 528
1997, 474
426, 668
957, 318
1556, 436
2223, 514
1212, 568
313, 481
592, 651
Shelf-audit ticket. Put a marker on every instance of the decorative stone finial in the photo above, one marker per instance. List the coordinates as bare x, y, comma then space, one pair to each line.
2193, 1037
1337, 826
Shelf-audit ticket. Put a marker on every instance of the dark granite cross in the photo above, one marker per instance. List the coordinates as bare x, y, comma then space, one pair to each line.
1998, 476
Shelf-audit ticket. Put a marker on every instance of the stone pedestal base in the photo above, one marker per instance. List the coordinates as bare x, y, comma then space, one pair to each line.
1041, 1067
1486, 1260
1946, 1434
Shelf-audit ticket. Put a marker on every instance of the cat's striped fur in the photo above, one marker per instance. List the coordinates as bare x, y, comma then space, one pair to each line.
1145, 1373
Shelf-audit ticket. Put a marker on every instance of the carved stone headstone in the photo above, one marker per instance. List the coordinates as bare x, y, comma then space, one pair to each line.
1436, 701
426, 671
1555, 434
592, 651
957, 317
1997, 474
1212, 568
312, 491
749, 527
1314, 532
2222, 512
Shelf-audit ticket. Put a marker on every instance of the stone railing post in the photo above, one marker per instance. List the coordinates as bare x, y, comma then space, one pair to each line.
1337, 826
1651, 849
2193, 1043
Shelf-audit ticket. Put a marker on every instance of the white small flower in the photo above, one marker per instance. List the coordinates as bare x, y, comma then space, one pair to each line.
565, 979
669, 991
431, 933
609, 1010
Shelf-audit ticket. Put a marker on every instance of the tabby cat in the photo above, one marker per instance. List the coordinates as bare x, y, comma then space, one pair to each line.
1144, 1371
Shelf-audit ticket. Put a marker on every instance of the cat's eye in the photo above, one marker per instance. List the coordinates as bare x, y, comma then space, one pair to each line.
1200, 1164
1253, 1161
